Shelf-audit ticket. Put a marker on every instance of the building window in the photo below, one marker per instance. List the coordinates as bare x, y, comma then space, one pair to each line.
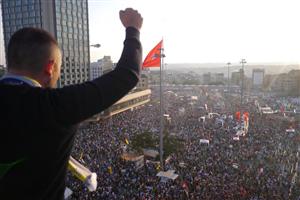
24, 8
18, 9
32, 14
19, 15
12, 16
18, 2
18, 22
5, 4
31, 20
24, 2
11, 3
25, 21
37, 7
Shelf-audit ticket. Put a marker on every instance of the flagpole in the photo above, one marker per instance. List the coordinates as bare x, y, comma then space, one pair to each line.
243, 61
155, 58
161, 152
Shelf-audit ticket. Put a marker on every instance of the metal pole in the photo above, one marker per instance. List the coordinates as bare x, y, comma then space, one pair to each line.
243, 61
228, 80
161, 111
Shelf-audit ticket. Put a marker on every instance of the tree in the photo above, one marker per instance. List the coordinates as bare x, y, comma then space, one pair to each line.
147, 140
171, 145
143, 141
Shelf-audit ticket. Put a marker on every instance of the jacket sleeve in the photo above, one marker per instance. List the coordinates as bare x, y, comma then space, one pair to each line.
75, 103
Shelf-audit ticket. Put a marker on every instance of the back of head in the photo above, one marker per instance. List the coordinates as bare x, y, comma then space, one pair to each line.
29, 50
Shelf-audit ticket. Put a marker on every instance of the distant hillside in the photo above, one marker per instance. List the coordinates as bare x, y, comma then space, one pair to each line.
220, 68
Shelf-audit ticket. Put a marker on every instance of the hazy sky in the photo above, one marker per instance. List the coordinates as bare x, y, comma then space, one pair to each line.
199, 31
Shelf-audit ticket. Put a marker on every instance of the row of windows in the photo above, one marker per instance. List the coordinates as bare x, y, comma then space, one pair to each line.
68, 50
20, 15
72, 72
21, 22
72, 65
70, 25
80, 65
77, 65
71, 36
74, 36
73, 76
64, 83
67, 3
67, 76
18, 9
80, 58
68, 82
72, 51
71, 39
75, 18
67, 70
74, 24
7, 3
64, 31
73, 46
10, 30
66, 13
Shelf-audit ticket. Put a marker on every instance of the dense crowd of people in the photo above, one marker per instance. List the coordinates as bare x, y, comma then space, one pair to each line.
263, 164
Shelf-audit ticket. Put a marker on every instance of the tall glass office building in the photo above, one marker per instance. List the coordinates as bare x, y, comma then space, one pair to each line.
67, 20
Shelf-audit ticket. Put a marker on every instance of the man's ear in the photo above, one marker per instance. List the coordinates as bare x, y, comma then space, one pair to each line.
49, 67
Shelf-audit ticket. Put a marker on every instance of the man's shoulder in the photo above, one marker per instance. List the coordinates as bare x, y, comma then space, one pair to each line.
14, 94
20, 101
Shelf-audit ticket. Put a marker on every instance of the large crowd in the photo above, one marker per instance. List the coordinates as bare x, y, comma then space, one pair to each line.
263, 164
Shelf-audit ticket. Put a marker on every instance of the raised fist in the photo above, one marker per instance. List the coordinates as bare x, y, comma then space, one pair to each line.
130, 17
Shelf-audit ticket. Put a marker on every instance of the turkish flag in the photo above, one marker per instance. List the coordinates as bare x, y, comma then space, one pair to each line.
153, 57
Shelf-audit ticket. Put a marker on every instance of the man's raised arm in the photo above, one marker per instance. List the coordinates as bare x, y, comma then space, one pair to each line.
75, 103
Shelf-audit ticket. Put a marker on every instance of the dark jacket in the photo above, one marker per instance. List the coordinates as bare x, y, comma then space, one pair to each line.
37, 126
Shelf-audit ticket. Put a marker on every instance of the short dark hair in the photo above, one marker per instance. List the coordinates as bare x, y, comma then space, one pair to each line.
29, 49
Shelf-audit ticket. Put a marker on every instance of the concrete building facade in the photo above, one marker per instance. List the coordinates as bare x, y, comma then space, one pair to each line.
66, 20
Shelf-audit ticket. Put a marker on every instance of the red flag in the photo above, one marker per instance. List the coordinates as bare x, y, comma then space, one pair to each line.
153, 57
185, 187
246, 116
238, 115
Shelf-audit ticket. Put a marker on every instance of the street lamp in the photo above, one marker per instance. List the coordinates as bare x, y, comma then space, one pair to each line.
96, 45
